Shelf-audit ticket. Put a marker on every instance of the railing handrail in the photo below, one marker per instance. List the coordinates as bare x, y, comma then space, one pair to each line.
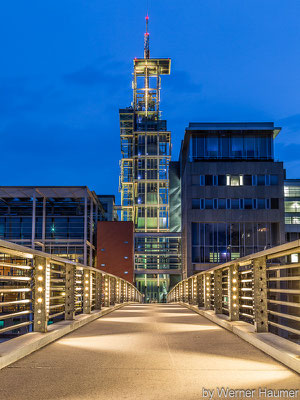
249, 288
27, 252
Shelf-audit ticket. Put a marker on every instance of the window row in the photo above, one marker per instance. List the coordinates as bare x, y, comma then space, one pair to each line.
292, 206
231, 146
292, 191
292, 220
235, 204
221, 242
235, 180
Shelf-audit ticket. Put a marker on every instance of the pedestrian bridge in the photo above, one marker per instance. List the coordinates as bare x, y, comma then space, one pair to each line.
162, 351
69, 331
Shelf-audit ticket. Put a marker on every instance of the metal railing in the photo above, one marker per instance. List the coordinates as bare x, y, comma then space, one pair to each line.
262, 289
38, 289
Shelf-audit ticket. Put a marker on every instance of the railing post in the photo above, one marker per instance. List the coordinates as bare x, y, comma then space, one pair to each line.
233, 292
190, 290
87, 304
207, 293
122, 291
118, 291
70, 292
260, 302
218, 291
98, 294
41, 294
106, 291
194, 290
200, 290
186, 291
112, 283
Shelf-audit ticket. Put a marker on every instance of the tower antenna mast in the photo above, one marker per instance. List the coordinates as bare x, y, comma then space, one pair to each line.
146, 40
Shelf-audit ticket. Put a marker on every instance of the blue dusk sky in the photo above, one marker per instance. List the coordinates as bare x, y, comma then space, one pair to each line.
66, 69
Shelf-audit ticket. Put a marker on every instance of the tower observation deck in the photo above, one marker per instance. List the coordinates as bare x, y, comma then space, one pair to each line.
144, 178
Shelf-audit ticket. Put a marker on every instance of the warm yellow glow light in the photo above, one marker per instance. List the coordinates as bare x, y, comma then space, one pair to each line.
40, 289
40, 267
40, 278
39, 300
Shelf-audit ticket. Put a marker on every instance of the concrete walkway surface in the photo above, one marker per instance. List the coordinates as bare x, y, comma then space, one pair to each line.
145, 352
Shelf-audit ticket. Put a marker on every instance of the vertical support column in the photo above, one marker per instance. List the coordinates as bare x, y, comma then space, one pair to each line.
70, 292
200, 290
41, 294
218, 291
207, 293
87, 303
233, 292
98, 291
260, 298
91, 232
85, 231
44, 223
33, 219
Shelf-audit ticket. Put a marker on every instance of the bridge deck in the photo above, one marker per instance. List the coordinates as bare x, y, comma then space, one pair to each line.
143, 352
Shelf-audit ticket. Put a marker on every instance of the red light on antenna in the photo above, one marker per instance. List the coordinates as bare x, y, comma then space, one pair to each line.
147, 17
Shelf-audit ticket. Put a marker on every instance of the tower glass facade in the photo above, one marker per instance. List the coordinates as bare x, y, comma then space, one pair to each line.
144, 179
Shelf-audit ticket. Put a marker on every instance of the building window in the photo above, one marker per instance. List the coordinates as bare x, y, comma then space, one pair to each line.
126, 242
292, 206
102, 265
195, 204
208, 180
102, 249
292, 191
292, 220
221, 180
248, 180
261, 180
275, 204
126, 258
234, 180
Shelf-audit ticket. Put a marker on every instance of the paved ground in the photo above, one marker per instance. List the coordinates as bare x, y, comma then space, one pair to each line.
144, 352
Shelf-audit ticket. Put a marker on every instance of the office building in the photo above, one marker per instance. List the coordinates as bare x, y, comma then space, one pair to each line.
55, 219
232, 192
292, 209
144, 179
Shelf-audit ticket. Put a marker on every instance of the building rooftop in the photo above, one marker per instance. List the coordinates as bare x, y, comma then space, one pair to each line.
44, 191
219, 126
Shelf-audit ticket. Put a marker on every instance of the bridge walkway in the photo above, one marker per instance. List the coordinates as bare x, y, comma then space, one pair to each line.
144, 352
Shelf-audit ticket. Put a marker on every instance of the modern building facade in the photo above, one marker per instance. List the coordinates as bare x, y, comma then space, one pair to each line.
292, 209
108, 202
144, 179
232, 192
115, 248
55, 219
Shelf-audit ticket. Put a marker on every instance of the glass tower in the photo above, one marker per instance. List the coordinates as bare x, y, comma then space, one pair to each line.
144, 179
